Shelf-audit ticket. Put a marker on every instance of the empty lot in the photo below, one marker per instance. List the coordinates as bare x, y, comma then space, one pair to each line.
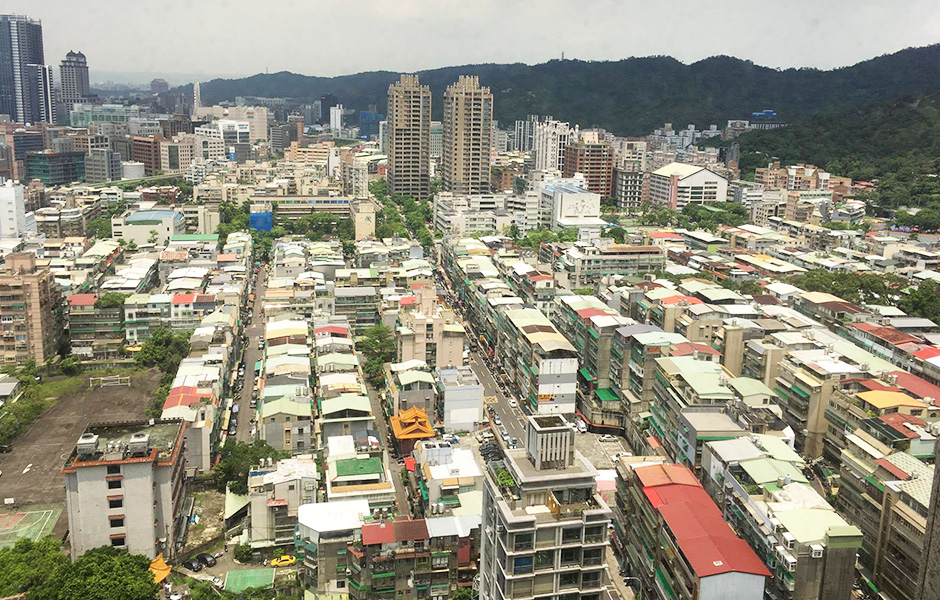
30, 473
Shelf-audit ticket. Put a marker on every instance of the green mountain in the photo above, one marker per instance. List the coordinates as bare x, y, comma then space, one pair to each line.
630, 96
896, 144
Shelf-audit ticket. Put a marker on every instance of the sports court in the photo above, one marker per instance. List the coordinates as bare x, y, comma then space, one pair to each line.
239, 581
33, 524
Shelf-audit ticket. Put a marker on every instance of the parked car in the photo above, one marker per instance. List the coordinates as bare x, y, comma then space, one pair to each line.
497, 420
193, 565
235, 409
234, 428
6, 448
607, 438
206, 559
284, 561
513, 403
617, 456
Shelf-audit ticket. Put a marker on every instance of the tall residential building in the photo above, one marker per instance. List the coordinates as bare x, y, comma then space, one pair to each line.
20, 48
594, 160
124, 488
549, 140
523, 138
73, 74
930, 559
468, 120
408, 127
12, 210
31, 315
40, 94
336, 119
545, 527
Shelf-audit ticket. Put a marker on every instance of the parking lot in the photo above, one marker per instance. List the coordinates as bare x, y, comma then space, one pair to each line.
30, 472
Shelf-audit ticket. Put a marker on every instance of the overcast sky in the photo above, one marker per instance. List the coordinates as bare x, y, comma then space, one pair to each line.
317, 37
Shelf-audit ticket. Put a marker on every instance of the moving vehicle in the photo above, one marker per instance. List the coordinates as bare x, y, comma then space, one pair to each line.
193, 565
582, 426
513, 403
284, 561
607, 438
206, 559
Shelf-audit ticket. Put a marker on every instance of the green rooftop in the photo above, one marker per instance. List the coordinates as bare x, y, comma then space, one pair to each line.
195, 237
351, 467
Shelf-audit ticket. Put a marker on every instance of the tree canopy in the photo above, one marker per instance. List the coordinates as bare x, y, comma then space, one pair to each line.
110, 300
377, 345
854, 287
105, 573
236, 459
165, 349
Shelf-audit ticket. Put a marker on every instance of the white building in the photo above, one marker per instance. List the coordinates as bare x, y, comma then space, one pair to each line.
336, 119
678, 184
124, 488
550, 139
14, 220
569, 206
459, 398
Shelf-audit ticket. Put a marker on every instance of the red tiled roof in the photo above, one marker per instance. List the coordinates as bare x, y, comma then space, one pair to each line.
184, 396
540, 277
665, 235
679, 298
842, 306
686, 348
880, 386
410, 463
888, 334
412, 424
893, 469
205, 298
649, 285
331, 329
408, 300
417, 286
183, 298
927, 353
704, 538
897, 420
587, 313
765, 299
226, 257
396, 531
82, 299
916, 386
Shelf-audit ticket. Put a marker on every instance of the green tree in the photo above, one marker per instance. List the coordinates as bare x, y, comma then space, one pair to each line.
29, 566
99, 228
154, 236
236, 459
242, 552
105, 573
377, 345
71, 366
110, 300
923, 302
618, 234
165, 349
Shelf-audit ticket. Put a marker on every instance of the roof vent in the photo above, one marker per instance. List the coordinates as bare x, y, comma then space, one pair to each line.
139, 444
87, 444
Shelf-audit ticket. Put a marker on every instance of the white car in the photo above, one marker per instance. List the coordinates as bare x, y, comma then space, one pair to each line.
513, 403
607, 438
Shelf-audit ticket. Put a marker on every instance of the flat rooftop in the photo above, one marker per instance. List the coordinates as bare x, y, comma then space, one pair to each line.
113, 440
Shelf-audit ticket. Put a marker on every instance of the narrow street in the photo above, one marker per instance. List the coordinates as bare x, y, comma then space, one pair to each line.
381, 424
254, 331
511, 418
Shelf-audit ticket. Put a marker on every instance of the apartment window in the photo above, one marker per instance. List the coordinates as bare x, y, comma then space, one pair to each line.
118, 542
522, 541
114, 484
570, 535
114, 469
290, 488
115, 503
117, 521
567, 580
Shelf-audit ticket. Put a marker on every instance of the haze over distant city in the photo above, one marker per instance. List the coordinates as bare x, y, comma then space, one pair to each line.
241, 37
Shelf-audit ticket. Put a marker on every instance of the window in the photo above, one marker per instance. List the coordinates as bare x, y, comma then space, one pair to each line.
116, 503
117, 542
114, 484
290, 488
114, 469
117, 522
567, 580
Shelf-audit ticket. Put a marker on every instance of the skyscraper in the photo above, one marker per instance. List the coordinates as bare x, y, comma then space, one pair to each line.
73, 73
468, 120
22, 72
409, 137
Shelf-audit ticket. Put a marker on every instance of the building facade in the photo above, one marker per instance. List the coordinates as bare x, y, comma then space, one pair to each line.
408, 127
468, 119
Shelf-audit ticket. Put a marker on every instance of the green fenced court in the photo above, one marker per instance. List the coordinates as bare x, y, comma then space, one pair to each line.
239, 581
33, 524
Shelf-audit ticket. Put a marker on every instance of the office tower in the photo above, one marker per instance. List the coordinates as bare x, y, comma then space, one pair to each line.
524, 133
327, 101
40, 94
545, 527
409, 137
158, 86
197, 97
437, 138
102, 165
468, 119
73, 73
20, 46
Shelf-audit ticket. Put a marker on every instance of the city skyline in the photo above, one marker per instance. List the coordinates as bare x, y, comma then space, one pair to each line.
415, 35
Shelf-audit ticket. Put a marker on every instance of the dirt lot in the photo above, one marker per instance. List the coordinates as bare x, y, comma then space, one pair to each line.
30, 473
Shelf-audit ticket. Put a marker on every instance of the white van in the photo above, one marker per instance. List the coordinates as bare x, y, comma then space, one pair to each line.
582, 426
